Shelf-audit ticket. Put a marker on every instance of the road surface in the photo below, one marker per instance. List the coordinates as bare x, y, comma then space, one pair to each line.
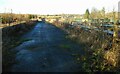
46, 52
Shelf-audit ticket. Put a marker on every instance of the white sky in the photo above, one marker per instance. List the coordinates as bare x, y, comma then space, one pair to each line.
56, 6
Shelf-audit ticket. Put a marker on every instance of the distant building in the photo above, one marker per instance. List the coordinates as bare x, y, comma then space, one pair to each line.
84, 20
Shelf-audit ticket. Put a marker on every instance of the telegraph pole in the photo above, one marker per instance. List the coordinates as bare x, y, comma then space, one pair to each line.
5, 10
0, 20
11, 11
114, 34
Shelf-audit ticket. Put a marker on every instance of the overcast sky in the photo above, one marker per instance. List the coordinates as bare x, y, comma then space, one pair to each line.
55, 6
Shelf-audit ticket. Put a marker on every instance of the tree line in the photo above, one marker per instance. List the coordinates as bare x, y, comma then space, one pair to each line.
100, 14
6, 18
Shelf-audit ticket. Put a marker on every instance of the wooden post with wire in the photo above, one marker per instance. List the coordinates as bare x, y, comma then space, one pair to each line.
115, 44
115, 33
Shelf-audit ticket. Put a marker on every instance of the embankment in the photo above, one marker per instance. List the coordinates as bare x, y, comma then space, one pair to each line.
10, 39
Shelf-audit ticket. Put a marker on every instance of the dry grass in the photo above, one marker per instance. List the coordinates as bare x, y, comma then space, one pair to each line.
97, 46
